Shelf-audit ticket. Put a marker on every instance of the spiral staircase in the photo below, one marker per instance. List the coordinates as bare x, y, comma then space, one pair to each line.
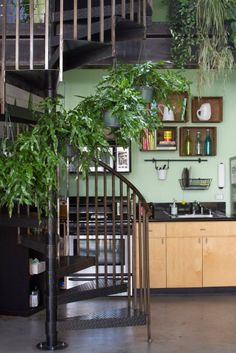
37, 47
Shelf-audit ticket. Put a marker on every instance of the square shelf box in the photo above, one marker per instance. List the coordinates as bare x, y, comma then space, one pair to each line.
216, 104
193, 134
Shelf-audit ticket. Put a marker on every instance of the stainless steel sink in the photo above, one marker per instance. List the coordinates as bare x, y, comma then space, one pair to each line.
192, 215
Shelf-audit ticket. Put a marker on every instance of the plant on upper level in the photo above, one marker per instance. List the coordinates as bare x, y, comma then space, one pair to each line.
200, 35
182, 16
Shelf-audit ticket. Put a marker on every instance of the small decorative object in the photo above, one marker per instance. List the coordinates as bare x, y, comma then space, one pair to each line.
167, 135
204, 112
162, 174
166, 112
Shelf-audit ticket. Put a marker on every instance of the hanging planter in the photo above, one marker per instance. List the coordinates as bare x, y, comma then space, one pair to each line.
146, 93
110, 120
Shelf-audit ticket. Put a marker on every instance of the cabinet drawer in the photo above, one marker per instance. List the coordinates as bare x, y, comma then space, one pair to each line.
193, 229
157, 230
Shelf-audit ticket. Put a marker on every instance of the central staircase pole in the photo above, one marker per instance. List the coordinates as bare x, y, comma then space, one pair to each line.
51, 260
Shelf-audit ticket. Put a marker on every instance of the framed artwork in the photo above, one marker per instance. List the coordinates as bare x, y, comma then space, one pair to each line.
107, 158
123, 160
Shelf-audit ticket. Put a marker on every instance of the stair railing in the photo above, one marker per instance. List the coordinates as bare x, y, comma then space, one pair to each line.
3, 58
119, 216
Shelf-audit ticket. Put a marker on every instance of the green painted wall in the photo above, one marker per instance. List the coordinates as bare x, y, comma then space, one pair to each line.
143, 176
160, 11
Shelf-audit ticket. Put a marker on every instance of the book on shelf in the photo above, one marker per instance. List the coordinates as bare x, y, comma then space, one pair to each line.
148, 140
171, 143
166, 147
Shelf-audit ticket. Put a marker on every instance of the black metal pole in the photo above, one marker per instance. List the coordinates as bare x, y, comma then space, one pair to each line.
51, 257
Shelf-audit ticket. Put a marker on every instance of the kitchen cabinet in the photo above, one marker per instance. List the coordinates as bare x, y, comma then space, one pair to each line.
219, 261
184, 262
157, 255
192, 254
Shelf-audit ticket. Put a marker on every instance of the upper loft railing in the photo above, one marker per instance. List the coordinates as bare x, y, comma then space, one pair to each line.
33, 31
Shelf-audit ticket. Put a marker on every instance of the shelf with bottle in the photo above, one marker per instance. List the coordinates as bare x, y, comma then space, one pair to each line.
163, 139
207, 109
198, 141
177, 109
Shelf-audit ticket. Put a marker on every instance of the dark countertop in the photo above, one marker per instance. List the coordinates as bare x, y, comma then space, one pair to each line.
161, 213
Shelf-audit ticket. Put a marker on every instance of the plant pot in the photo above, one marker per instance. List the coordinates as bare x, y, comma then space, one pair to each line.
147, 93
110, 120
70, 151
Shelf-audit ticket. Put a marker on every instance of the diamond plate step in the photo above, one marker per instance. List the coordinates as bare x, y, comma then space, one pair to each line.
91, 289
115, 318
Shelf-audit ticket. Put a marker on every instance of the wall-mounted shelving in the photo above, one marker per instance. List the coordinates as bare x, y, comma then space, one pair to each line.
163, 139
195, 184
180, 103
193, 134
216, 104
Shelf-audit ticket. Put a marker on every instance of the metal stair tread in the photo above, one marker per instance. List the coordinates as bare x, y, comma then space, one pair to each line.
113, 318
34, 80
34, 241
69, 264
91, 289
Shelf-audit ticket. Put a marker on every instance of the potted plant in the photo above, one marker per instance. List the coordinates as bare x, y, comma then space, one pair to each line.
162, 81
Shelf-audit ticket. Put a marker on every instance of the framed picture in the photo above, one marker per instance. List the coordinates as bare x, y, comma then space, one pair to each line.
107, 158
123, 160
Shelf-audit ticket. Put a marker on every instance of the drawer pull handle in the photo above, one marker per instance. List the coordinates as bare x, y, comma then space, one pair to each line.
202, 229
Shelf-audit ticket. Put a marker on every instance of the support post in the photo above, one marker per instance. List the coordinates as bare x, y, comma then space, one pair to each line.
51, 343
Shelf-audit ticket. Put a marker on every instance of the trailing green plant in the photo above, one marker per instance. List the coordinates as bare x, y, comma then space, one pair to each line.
214, 51
28, 169
182, 17
163, 81
230, 19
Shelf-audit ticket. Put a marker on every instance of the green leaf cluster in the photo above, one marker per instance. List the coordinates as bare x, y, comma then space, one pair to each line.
28, 169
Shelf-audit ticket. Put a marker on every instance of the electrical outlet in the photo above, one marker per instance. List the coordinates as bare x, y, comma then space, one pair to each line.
219, 197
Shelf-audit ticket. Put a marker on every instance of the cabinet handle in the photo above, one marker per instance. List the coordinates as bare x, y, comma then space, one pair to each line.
206, 240
199, 240
150, 231
162, 241
202, 229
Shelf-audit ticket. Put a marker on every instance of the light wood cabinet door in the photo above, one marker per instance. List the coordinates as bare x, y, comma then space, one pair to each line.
184, 262
219, 261
157, 256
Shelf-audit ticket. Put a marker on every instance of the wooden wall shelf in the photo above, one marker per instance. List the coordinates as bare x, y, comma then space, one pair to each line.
216, 109
193, 133
180, 103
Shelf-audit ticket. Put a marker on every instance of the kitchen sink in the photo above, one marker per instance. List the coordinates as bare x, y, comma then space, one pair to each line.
193, 215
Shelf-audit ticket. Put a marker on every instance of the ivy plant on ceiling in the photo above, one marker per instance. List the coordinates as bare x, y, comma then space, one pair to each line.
182, 15
200, 35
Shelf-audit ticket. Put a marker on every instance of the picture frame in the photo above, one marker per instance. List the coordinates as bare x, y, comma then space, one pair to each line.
123, 159
107, 158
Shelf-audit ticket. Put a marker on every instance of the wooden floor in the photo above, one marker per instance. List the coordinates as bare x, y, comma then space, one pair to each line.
184, 324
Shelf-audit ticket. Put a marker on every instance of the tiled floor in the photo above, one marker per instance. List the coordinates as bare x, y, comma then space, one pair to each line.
184, 324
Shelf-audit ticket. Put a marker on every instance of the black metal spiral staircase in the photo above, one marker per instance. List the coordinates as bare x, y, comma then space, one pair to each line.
33, 58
